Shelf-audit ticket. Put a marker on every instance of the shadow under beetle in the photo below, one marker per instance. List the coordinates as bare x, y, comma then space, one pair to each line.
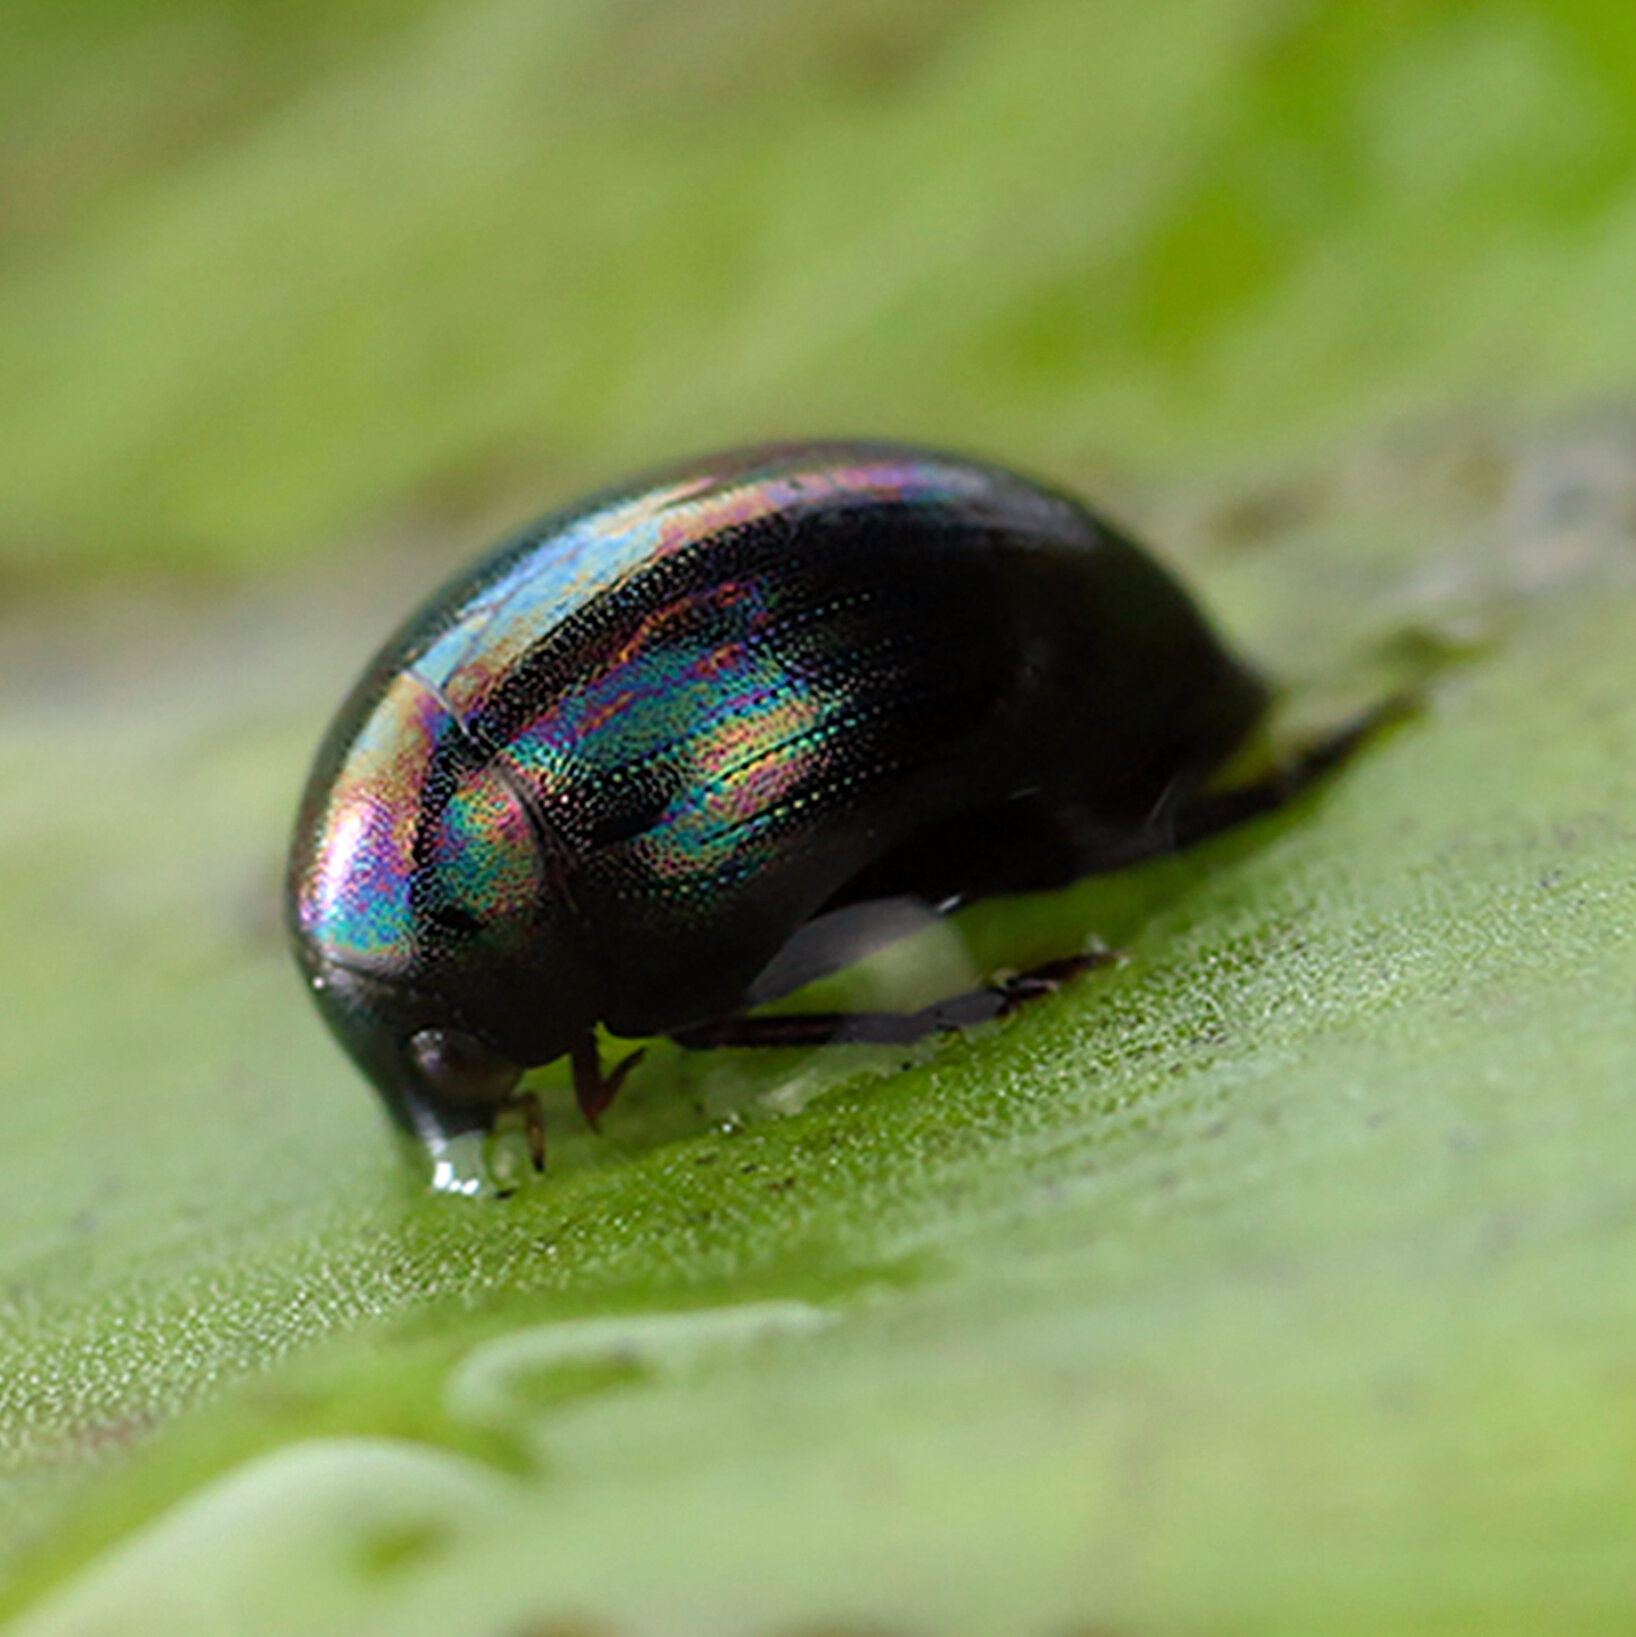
622, 770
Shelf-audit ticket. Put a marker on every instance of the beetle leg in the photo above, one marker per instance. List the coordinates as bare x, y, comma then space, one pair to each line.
1049, 976
1211, 811
812, 1029
592, 1090
892, 1028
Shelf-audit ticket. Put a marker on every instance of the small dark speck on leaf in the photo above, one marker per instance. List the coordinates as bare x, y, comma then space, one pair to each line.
1499, 1233
1257, 518
1397, 1394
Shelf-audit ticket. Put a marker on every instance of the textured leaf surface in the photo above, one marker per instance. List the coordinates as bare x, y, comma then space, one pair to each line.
1278, 1279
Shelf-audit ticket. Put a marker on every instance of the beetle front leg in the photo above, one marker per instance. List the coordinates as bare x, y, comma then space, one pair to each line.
592, 1090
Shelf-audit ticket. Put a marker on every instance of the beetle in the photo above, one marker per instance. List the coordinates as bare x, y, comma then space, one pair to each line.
637, 760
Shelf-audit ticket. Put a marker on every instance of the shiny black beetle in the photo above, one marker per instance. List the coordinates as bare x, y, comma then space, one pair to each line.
613, 770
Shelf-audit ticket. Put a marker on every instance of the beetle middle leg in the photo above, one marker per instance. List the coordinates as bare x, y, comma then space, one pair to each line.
950, 1016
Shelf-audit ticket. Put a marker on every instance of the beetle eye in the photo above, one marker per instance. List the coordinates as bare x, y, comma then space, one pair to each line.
461, 1068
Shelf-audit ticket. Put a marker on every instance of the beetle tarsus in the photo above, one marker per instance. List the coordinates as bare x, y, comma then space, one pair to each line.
1048, 977
593, 1090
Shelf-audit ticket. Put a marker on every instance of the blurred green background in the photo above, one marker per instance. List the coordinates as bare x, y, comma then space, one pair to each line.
277, 274
1280, 1280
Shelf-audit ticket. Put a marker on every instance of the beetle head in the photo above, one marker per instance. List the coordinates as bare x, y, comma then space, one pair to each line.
439, 945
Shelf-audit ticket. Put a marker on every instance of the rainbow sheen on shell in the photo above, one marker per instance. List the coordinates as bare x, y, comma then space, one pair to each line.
609, 772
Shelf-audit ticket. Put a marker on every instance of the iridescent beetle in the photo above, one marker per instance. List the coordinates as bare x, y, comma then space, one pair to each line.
624, 766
